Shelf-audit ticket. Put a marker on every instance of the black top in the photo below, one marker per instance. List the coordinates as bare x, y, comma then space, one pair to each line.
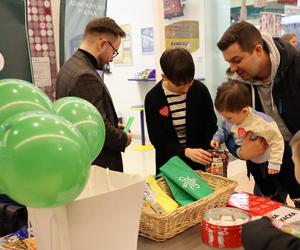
201, 123
91, 58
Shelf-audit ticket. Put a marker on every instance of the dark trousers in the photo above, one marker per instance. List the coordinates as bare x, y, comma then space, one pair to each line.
285, 179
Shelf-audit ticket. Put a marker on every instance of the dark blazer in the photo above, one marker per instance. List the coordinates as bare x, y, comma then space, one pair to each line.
201, 123
78, 77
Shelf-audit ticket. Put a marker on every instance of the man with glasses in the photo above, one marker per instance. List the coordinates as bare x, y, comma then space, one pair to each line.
79, 77
115, 51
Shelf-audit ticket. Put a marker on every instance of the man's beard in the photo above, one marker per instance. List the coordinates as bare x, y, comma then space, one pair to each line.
106, 68
101, 65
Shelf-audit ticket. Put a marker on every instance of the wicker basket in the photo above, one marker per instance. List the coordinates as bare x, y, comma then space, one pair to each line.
162, 227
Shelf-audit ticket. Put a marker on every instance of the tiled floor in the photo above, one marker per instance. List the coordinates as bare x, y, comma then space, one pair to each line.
142, 162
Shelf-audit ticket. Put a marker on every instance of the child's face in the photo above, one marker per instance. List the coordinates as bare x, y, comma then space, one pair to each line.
296, 160
234, 118
182, 89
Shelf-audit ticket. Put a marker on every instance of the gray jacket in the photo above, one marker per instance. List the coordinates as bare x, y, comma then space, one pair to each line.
78, 77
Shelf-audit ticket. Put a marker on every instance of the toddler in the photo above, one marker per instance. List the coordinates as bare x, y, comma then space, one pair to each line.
233, 101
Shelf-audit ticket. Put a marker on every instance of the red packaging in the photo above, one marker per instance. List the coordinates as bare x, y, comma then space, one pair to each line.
253, 204
222, 236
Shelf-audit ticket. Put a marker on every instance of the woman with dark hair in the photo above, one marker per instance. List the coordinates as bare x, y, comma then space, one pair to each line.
179, 112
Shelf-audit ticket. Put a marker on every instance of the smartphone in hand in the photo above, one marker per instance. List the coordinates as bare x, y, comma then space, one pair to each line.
128, 124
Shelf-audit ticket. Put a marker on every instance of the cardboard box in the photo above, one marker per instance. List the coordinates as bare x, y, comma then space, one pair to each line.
106, 215
253, 204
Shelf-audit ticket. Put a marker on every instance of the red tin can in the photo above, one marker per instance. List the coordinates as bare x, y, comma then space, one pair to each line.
222, 236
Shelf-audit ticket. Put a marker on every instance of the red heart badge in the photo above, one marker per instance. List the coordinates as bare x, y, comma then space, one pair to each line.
241, 132
164, 111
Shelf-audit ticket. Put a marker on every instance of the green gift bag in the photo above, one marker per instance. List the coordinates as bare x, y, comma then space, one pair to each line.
182, 197
184, 177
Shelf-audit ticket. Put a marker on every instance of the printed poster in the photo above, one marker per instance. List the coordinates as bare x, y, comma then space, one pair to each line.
172, 8
125, 50
74, 16
147, 40
184, 34
42, 49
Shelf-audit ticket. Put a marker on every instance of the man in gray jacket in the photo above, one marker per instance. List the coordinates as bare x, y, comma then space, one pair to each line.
79, 77
270, 68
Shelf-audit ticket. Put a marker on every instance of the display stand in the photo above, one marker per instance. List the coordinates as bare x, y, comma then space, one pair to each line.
143, 145
142, 80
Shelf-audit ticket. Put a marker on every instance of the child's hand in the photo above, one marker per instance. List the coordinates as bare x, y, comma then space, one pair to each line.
272, 171
214, 143
198, 155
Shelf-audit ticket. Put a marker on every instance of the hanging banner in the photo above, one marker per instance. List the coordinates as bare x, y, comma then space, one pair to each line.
260, 3
292, 10
270, 23
287, 1
74, 16
14, 54
42, 49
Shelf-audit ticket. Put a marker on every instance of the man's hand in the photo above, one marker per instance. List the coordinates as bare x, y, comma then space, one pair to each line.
121, 126
198, 155
129, 139
252, 148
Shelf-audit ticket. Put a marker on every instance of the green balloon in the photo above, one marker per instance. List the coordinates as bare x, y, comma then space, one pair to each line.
86, 119
17, 96
44, 160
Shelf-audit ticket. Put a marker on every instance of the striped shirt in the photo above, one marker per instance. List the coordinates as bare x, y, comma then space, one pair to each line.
177, 105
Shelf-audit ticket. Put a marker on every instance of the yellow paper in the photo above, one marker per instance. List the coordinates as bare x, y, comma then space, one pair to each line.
160, 201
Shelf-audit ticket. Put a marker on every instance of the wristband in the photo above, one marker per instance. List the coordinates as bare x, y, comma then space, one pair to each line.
238, 153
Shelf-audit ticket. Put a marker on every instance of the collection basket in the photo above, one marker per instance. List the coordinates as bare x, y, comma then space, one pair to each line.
162, 227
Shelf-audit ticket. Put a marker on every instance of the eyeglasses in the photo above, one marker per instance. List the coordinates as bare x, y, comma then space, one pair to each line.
115, 51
